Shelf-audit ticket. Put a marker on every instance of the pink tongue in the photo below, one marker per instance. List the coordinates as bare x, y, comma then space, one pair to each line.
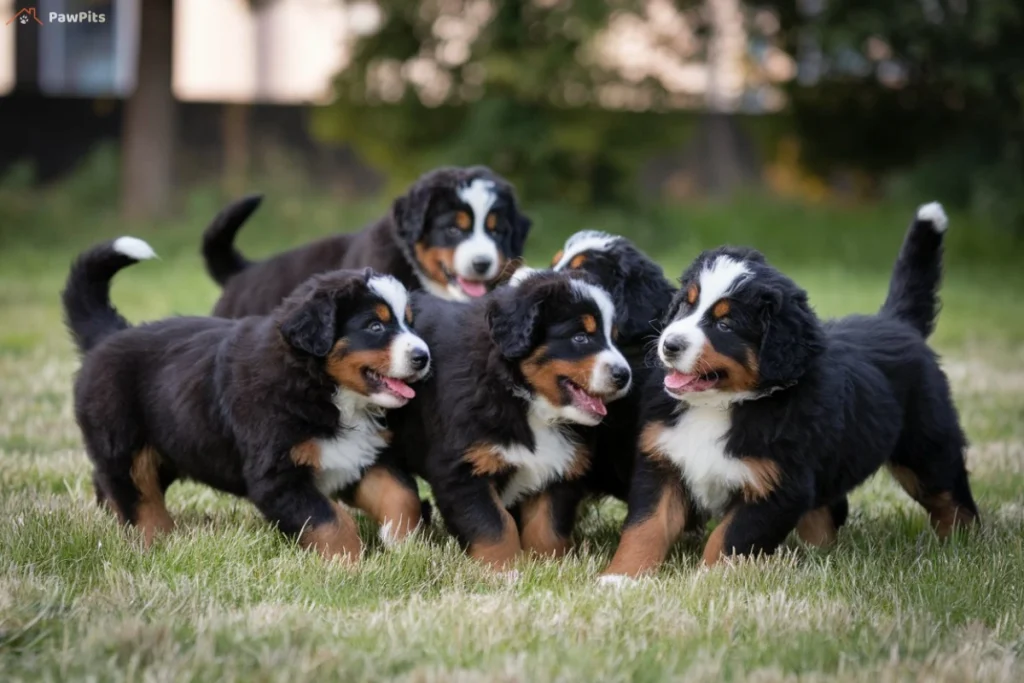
399, 387
677, 380
472, 288
589, 403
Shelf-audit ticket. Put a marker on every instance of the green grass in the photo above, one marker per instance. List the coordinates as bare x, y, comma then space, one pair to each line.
226, 598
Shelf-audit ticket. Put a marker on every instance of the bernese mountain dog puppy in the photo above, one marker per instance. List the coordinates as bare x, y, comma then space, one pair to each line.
286, 410
641, 295
451, 234
491, 430
766, 417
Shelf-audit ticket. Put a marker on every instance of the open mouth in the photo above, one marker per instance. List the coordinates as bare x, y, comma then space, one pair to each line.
471, 288
681, 383
581, 399
377, 382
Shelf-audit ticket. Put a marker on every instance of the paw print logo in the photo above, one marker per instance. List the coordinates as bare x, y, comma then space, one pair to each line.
24, 16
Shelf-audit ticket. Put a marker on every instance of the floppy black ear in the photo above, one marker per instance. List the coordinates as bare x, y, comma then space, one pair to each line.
409, 213
642, 295
512, 320
792, 337
673, 308
310, 326
520, 230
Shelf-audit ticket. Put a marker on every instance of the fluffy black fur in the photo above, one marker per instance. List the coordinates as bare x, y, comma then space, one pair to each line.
822, 405
488, 358
424, 217
224, 402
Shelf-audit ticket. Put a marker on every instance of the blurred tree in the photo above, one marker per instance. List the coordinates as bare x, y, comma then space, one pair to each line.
936, 85
526, 67
150, 116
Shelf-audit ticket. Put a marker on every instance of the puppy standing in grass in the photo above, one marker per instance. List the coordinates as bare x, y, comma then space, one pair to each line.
451, 234
285, 410
492, 430
766, 417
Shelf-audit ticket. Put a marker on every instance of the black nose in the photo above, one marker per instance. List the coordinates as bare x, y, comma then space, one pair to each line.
418, 359
621, 376
481, 264
673, 346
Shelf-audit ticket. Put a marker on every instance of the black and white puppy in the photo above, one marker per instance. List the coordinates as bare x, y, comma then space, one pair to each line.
492, 429
286, 409
766, 417
452, 234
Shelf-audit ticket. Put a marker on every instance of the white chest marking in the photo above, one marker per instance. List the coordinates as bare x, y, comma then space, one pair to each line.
551, 458
344, 458
696, 444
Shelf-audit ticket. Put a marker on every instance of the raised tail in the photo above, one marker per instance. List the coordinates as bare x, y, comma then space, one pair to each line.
223, 260
88, 313
914, 285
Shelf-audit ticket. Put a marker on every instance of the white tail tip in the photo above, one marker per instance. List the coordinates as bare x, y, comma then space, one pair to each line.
134, 248
935, 215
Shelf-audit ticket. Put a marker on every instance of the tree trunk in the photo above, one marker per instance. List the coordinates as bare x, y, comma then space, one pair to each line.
148, 126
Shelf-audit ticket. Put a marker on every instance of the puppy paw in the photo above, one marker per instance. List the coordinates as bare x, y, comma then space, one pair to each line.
616, 580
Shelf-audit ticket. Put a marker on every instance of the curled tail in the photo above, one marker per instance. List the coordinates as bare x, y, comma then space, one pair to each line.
88, 313
223, 260
914, 286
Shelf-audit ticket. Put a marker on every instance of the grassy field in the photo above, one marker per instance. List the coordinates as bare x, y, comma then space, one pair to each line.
226, 598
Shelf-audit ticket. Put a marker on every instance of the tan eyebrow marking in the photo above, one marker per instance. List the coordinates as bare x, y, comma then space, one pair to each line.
721, 309
691, 294
558, 257
408, 314
589, 323
577, 260
492, 221
463, 220
383, 312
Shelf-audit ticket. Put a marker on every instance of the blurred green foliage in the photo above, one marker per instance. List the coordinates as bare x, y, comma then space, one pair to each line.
933, 89
507, 103
924, 99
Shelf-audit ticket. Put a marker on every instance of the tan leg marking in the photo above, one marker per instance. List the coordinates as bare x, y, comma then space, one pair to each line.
817, 527
388, 501
765, 478
500, 553
644, 546
337, 539
306, 454
538, 529
485, 460
946, 515
151, 514
715, 548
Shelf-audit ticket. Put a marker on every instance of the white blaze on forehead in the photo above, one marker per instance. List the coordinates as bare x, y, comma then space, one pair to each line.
480, 196
716, 281
603, 301
582, 242
394, 294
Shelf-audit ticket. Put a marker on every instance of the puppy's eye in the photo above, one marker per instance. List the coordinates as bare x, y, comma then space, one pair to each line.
580, 338
377, 327
723, 325
453, 230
